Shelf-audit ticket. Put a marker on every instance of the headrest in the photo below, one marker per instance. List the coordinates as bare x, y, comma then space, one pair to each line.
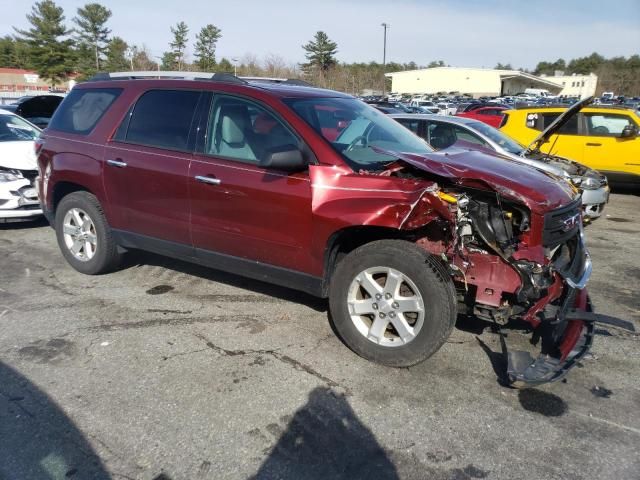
235, 119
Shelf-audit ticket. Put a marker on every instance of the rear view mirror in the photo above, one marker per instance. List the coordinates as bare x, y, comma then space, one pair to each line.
630, 131
286, 157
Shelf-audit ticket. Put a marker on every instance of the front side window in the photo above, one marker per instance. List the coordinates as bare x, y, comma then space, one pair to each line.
444, 135
82, 109
369, 139
15, 129
606, 124
162, 118
246, 132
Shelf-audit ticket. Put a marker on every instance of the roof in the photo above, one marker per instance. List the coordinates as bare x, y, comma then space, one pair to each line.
504, 74
202, 80
435, 117
17, 71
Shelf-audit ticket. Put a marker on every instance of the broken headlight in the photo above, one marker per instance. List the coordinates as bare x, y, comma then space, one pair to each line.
590, 183
9, 175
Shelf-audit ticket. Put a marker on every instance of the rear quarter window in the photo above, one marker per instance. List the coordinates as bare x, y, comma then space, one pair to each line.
82, 109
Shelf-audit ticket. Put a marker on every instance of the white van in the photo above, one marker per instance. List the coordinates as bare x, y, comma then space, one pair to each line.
538, 92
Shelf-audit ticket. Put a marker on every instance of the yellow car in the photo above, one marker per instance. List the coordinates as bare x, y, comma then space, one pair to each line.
605, 138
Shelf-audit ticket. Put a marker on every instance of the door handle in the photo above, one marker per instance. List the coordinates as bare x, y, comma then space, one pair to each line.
116, 163
589, 144
209, 180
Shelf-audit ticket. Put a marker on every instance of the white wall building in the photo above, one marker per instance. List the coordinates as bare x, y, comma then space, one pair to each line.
576, 85
474, 81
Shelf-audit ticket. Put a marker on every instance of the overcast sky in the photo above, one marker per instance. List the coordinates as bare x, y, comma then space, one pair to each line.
460, 32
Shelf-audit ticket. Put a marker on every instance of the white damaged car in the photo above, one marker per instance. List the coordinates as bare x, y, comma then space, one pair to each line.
18, 168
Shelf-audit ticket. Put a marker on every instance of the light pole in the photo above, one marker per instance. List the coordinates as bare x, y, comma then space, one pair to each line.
129, 54
384, 58
235, 66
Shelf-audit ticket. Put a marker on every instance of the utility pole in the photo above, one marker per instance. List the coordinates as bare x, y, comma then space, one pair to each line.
384, 58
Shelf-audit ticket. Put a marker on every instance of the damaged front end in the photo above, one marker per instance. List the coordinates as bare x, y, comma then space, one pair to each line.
548, 254
513, 255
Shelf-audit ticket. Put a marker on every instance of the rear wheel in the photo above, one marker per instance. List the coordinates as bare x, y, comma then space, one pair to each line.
84, 237
392, 303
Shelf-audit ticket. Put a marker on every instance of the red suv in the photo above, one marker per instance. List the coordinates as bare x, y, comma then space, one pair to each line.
317, 191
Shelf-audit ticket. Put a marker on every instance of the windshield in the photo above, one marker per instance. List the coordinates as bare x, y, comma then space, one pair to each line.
358, 131
15, 129
496, 136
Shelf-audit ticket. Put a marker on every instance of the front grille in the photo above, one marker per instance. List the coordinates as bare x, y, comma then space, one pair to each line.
562, 224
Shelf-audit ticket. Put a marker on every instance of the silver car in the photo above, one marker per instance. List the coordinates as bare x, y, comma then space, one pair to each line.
443, 132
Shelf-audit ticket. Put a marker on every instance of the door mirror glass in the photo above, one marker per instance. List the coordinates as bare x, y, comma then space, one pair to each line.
286, 157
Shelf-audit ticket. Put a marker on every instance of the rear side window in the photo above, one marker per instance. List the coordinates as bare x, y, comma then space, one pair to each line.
82, 109
569, 128
162, 118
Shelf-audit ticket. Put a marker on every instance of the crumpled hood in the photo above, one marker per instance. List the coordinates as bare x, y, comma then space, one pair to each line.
538, 190
18, 155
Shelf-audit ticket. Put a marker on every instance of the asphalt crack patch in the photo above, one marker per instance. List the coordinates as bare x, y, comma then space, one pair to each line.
296, 364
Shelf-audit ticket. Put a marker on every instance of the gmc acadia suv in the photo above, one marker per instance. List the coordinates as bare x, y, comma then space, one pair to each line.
317, 191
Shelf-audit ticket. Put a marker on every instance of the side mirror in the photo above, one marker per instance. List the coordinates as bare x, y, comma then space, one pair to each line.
287, 157
630, 131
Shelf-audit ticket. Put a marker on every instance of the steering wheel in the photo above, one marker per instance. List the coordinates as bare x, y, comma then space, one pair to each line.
354, 142
600, 130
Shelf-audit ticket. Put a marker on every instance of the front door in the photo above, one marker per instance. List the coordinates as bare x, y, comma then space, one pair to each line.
239, 208
604, 149
147, 164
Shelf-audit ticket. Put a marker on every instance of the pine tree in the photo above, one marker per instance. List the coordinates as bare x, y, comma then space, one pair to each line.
179, 44
92, 33
116, 60
48, 43
168, 61
205, 50
320, 52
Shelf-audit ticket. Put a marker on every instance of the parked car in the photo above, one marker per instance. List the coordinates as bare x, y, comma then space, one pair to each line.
399, 238
425, 105
445, 108
603, 138
462, 132
490, 115
18, 169
37, 109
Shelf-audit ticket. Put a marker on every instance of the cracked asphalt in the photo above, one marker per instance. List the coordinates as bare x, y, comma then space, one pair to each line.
166, 370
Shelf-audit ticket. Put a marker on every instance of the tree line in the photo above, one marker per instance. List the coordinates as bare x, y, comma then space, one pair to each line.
57, 49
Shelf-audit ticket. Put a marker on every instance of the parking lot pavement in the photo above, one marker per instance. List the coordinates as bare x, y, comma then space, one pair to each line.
166, 370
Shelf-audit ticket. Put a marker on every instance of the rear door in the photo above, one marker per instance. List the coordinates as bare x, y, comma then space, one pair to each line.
238, 208
147, 164
568, 142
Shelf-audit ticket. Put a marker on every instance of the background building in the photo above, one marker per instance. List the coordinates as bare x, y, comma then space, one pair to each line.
477, 82
575, 85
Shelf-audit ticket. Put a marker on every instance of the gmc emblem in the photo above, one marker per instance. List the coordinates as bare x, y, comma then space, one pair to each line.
570, 223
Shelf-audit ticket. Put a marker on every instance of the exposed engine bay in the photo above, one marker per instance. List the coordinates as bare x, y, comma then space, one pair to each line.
504, 270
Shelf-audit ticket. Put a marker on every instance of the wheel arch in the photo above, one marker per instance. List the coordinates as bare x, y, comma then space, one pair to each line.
344, 241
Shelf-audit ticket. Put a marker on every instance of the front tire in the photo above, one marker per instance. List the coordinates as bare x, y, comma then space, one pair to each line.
392, 303
84, 236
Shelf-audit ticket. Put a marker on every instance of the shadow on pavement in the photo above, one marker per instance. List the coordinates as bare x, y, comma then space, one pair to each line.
37, 440
323, 440
138, 257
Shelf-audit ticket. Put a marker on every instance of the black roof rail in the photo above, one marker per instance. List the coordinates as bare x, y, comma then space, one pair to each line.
281, 81
167, 75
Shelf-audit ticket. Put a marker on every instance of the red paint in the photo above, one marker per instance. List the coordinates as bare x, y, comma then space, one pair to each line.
488, 115
574, 329
287, 220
